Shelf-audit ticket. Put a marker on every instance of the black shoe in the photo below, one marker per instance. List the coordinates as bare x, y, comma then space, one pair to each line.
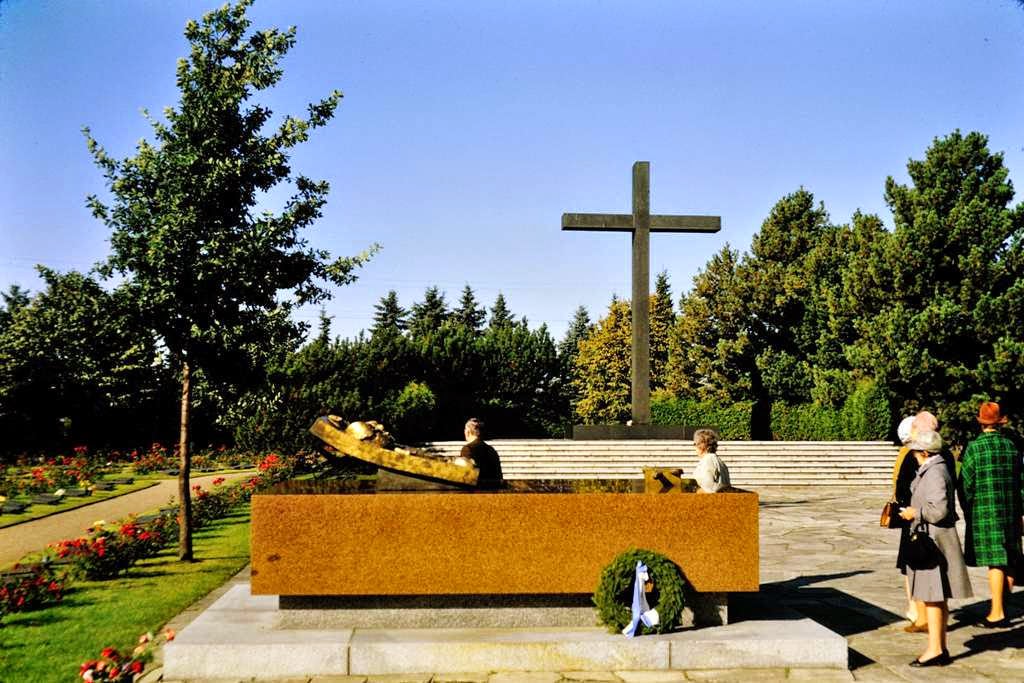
942, 659
999, 623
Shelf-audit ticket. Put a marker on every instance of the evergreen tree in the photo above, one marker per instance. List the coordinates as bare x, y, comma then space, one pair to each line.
501, 316
14, 298
428, 315
952, 281
601, 372
577, 331
206, 268
469, 313
711, 356
662, 317
388, 316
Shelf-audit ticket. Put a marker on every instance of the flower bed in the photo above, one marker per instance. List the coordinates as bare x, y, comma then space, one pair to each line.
30, 587
114, 666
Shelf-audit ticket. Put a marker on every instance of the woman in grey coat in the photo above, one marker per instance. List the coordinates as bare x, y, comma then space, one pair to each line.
932, 502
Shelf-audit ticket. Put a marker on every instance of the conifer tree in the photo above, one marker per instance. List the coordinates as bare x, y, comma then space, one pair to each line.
429, 314
662, 317
600, 376
388, 316
501, 316
469, 313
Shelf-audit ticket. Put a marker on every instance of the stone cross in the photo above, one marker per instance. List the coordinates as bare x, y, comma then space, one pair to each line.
641, 223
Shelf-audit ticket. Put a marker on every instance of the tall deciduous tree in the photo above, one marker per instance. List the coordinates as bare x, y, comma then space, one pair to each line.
206, 269
78, 352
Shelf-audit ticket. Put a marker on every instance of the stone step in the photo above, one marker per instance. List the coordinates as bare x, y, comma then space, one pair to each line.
241, 636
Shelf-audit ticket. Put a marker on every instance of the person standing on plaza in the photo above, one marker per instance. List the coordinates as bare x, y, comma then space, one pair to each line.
932, 505
994, 502
903, 472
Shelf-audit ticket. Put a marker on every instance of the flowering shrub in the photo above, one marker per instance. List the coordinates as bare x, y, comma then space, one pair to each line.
114, 666
158, 457
274, 468
61, 471
107, 550
21, 593
210, 504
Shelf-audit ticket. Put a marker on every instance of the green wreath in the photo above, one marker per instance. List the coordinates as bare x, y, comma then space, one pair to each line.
614, 594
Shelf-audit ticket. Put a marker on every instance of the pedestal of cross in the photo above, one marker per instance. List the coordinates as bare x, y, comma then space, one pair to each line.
641, 224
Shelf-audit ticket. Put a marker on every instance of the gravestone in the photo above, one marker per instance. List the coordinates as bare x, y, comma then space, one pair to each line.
640, 224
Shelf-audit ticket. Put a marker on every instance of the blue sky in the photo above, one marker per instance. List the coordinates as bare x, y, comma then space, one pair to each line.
467, 128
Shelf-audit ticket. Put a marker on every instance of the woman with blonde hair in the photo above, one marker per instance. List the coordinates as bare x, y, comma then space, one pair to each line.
931, 510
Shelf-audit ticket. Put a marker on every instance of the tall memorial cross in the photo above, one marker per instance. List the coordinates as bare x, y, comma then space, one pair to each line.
641, 223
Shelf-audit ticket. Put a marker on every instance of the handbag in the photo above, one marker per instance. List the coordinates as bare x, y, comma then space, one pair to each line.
921, 551
889, 518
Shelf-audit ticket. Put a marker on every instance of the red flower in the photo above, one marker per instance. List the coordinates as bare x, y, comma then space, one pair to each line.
218, 481
108, 652
136, 667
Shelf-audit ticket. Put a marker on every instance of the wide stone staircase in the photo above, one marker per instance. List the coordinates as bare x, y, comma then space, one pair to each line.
751, 463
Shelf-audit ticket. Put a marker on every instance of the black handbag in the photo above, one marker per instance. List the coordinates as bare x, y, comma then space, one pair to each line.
921, 551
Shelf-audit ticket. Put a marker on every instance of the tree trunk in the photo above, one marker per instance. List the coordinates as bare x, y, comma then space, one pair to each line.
184, 462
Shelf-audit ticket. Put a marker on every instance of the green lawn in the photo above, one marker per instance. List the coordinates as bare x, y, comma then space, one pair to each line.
50, 644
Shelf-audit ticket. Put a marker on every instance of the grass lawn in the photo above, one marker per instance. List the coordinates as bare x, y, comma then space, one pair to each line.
70, 503
50, 644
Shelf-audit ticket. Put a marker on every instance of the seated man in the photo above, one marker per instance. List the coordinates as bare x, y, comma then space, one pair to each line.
482, 455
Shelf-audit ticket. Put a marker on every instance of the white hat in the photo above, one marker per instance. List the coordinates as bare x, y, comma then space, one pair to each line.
903, 431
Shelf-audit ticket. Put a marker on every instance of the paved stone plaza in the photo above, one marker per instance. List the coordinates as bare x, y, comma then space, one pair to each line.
823, 553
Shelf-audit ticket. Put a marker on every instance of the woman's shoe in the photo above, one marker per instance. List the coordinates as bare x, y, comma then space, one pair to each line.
916, 628
999, 623
942, 659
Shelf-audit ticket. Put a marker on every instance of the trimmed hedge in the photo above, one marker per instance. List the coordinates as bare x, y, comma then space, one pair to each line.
731, 421
866, 415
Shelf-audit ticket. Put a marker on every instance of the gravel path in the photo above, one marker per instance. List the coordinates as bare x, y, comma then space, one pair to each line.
18, 540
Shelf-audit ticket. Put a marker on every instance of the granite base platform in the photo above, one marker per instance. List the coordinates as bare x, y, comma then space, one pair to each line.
243, 636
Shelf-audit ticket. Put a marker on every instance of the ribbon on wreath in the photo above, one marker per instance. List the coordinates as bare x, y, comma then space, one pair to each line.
642, 612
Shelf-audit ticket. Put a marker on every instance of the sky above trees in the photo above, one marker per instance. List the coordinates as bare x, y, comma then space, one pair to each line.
467, 128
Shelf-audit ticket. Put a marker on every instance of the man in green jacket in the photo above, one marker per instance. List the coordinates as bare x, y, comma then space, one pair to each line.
991, 478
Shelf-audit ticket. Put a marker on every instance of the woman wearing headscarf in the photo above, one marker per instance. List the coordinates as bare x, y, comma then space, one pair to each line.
906, 470
903, 472
991, 474
932, 504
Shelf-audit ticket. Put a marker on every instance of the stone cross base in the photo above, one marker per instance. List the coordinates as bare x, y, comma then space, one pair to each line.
615, 432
